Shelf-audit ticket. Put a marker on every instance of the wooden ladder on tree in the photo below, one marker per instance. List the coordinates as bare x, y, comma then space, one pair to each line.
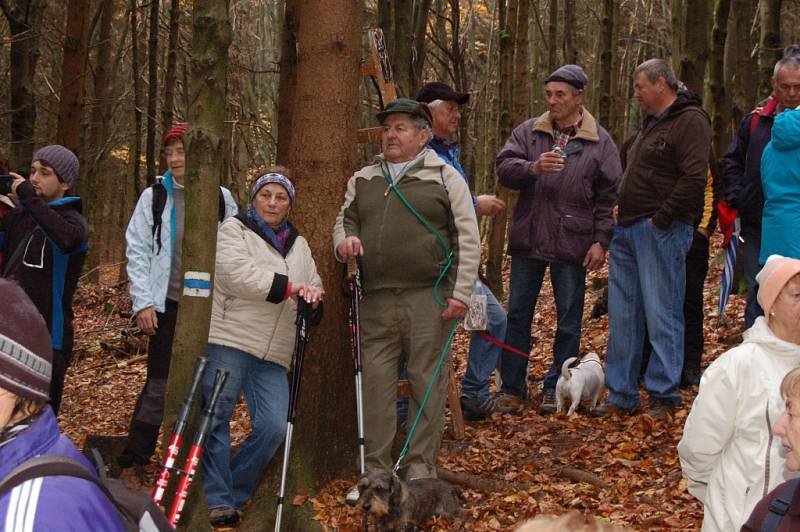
379, 70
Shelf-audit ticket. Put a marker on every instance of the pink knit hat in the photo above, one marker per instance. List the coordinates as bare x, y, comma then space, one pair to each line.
772, 278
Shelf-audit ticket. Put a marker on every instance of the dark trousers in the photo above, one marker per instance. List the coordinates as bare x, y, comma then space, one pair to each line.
61, 360
149, 410
696, 271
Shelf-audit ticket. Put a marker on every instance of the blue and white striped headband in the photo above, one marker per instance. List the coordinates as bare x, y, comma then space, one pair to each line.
272, 177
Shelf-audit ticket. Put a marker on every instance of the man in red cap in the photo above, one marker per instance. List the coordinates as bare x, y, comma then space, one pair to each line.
154, 237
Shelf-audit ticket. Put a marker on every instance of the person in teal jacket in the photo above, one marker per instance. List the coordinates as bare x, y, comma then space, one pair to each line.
780, 179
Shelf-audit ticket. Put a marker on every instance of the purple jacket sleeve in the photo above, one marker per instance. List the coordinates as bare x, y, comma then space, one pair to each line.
514, 162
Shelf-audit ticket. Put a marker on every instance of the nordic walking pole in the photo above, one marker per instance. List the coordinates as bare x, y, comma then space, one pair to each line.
304, 322
354, 280
176, 440
190, 467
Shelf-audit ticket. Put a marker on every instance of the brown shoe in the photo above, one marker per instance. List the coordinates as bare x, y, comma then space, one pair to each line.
507, 403
609, 408
548, 404
660, 409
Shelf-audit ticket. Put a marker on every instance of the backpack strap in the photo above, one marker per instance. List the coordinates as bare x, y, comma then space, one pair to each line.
59, 466
157, 206
779, 506
754, 122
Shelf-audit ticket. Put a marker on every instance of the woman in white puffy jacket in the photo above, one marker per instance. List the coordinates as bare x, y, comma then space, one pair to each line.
262, 266
728, 451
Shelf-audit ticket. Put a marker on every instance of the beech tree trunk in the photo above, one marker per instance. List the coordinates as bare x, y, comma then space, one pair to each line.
324, 441
211, 37
769, 47
24, 17
73, 74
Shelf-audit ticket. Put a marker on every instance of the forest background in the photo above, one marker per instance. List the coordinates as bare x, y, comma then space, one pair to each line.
107, 77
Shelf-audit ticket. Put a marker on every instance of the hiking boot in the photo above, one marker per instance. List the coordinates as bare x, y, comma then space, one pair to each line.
548, 404
609, 408
660, 409
507, 403
352, 496
223, 516
475, 409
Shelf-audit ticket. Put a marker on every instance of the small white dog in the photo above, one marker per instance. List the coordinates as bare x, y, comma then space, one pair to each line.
584, 382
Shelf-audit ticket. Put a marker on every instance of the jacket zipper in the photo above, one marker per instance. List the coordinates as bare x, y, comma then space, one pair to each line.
769, 447
380, 234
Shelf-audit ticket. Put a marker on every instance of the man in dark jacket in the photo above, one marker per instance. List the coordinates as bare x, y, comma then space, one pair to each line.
660, 199
565, 166
742, 170
45, 246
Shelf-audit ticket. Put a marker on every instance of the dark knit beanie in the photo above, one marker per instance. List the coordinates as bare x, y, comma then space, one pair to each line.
572, 74
25, 353
61, 160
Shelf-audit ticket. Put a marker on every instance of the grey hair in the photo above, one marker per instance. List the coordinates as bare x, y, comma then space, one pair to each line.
434, 103
658, 68
421, 124
789, 62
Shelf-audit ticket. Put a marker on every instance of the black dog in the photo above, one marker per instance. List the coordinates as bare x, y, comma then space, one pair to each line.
403, 506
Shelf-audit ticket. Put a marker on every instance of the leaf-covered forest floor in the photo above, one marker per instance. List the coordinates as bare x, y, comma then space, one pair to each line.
510, 468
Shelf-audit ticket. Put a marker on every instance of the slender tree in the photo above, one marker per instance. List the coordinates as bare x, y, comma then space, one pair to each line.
769, 45
24, 18
403, 47
172, 62
720, 98
138, 118
744, 64
152, 91
73, 74
552, 36
211, 37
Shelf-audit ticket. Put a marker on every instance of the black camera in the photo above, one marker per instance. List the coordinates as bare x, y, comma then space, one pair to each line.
5, 183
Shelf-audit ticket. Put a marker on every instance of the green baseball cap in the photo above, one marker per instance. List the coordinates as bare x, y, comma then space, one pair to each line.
407, 106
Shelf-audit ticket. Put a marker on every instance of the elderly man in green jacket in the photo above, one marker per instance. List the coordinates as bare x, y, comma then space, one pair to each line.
405, 308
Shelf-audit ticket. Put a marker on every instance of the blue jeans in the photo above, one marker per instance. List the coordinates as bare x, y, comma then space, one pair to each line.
646, 285
751, 267
484, 355
569, 285
230, 482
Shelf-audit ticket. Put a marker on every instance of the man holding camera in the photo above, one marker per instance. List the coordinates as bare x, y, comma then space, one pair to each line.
44, 241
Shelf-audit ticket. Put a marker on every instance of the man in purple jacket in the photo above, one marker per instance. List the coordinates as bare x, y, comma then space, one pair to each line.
565, 167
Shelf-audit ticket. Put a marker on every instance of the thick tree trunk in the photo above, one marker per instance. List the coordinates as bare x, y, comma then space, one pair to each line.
152, 91
288, 80
73, 73
211, 37
769, 47
694, 55
324, 441
24, 20
720, 99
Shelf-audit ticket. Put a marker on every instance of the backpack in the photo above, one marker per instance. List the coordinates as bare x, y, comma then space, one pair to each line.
779, 506
137, 511
160, 200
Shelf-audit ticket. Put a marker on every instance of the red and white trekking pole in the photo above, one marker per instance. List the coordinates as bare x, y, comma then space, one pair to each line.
192, 461
176, 440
